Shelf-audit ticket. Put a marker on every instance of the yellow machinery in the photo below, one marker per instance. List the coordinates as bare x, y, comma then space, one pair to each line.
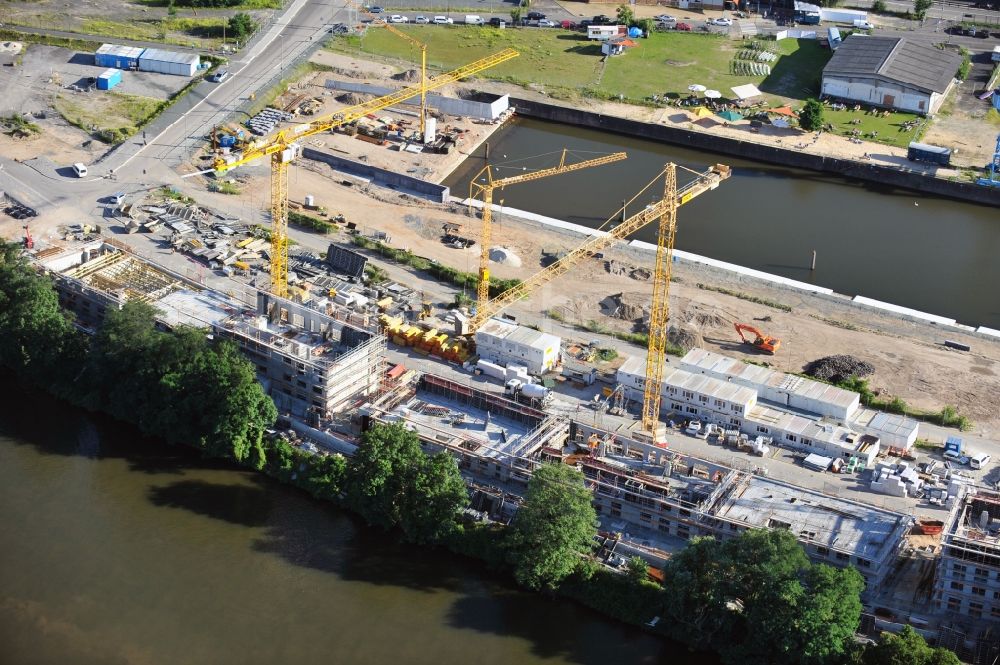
664, 210
484, 183
282, 147
379, 22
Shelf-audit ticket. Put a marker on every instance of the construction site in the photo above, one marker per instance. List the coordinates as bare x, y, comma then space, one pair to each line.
347, 326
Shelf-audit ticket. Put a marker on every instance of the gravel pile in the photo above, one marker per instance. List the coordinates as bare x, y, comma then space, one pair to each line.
685, 338
353, 98
409, 76
839, 368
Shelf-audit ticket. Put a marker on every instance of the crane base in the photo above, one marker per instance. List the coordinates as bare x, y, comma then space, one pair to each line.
657, 438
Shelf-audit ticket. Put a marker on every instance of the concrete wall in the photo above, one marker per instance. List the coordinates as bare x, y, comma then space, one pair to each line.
765, 153
383, 177
483, 110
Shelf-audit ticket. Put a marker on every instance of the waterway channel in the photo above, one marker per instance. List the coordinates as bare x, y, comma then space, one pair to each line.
931, 254
119, 549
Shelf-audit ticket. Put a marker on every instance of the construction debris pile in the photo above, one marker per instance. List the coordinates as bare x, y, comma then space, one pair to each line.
839, 368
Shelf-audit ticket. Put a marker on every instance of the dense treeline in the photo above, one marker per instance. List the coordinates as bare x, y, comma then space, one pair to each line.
754, 599
179, 385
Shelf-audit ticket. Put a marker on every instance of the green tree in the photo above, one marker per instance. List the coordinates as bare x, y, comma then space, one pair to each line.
696, 602
761, 599
646, 25
965, 68
637, 570
811, 117
391, 482
625, 15
38, 342
435, 496
515, 15
907, 648
554, 527
241, 25
878, 7
920, 8
379, 473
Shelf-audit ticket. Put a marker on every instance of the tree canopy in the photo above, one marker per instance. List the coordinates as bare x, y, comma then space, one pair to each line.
391, 482
811, 117
907, 648
241, 25
758, 599
553, 528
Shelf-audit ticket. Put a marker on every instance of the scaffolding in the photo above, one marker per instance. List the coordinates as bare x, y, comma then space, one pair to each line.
126, 276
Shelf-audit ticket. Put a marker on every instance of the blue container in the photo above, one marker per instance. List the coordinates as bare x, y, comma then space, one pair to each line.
109, 79
227, 141
119, 57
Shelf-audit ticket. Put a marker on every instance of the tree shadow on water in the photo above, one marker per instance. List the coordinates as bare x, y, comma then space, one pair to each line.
236, 504
325, 538
560, 629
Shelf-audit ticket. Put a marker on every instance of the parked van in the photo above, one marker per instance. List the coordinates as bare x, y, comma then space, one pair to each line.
474, 19
80, 170
979, 461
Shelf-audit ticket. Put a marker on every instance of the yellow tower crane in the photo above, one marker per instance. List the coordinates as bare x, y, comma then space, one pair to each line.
282, 147
664, 210
379, 22
483, 183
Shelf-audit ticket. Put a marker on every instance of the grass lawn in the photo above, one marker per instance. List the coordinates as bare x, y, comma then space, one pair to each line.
668, 62
548, 57
200, 31
567, 61
97, 113
890, 129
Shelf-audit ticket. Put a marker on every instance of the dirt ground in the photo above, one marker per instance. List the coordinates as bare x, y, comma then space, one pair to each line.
428, 166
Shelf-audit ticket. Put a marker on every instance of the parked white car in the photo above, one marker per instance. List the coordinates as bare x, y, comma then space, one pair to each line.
442, 20
396, 18
546, 23
979, 461
694, 429
665, 18
421, 19
725, 22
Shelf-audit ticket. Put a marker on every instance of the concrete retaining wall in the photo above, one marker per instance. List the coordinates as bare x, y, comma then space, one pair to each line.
482, 110
748, 150
383, 177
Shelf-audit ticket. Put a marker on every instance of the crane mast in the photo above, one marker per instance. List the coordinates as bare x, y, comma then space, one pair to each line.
665, 211
487, 188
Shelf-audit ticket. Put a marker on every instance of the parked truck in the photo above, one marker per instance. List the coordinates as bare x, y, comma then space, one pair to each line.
527, 392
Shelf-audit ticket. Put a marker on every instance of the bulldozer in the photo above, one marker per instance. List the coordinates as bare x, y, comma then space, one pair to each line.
765, 343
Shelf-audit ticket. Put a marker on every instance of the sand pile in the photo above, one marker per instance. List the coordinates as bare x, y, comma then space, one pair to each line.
504, 256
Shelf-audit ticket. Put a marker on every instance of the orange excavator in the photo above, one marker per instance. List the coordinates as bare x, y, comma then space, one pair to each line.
765, 343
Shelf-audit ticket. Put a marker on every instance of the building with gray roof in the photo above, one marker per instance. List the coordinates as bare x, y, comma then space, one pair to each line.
891, 72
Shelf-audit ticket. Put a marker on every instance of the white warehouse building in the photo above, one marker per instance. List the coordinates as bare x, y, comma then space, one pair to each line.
891, 72
506, 343
169, 62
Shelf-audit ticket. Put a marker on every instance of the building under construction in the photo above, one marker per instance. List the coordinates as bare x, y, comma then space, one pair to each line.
654, 497
967, 587
312, 365
92, 277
